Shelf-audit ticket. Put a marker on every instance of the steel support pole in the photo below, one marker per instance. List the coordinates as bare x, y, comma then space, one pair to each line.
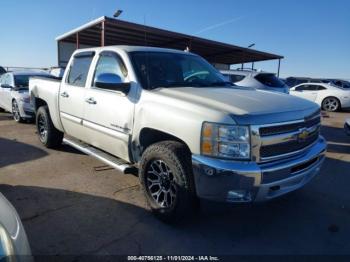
279, 67
77, 41
103, 40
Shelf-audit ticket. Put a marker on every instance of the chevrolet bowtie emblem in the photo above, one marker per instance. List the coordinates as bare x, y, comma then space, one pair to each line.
304, 134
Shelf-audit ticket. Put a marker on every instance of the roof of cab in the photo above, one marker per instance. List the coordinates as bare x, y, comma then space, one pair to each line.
129, 49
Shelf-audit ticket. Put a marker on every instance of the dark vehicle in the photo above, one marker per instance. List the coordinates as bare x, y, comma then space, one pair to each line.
294, 81
2, 70
339, 83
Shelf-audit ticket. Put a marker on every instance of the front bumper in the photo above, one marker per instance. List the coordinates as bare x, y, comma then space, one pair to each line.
232, 181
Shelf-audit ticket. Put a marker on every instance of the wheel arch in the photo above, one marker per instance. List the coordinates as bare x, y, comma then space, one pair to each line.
149, 136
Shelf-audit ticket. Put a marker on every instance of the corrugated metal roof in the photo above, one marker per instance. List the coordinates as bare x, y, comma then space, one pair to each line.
119, 32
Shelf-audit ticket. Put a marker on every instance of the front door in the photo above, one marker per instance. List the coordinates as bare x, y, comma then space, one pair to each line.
306, 91
72, 95
108, 116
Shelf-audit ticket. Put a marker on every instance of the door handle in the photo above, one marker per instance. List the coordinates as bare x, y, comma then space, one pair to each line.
91, 101
65, 94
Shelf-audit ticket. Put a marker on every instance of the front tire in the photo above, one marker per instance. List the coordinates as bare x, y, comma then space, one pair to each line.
331, 104
48, 134
16, 113
167, 180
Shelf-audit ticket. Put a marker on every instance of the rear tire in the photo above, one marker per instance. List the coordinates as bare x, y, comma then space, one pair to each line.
16, 113
167, 180
48, 134
331, 104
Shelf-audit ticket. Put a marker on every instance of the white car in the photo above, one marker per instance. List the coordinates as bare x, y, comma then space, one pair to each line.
330, 97
256, 79
14, 95
13, 238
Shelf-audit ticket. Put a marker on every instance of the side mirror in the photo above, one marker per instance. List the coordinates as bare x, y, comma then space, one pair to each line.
112, 82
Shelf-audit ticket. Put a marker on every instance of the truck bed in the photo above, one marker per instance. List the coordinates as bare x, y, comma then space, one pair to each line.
47, 89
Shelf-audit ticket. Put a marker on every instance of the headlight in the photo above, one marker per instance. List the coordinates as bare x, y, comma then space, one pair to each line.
225, 141
6, 247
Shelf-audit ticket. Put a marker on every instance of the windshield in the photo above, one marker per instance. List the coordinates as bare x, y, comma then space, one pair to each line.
161, 69
22, 81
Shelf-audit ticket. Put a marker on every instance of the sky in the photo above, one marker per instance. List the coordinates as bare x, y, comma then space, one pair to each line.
312, 35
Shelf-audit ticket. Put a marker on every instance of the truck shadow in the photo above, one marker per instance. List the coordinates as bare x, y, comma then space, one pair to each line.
60, 222
338, 141
5, 116
13, 152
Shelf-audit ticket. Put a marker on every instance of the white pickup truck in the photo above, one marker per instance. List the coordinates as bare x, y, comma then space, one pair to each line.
169, 116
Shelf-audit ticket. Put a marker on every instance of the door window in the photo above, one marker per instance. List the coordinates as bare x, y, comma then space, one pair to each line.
236, 78
79, 69
110, 63
306, 88
319, 88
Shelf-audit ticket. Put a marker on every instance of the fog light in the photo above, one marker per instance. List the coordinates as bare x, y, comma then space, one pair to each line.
209, 171
239, 196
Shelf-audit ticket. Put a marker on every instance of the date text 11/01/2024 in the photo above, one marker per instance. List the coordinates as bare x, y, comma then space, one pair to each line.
173, 258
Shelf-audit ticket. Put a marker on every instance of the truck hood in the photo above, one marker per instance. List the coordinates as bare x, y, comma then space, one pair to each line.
244, 104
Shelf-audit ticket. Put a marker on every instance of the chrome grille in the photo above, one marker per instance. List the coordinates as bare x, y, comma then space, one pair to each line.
277, 141
275, 130
288, 147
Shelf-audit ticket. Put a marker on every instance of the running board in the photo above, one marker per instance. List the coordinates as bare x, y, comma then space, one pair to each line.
106, 158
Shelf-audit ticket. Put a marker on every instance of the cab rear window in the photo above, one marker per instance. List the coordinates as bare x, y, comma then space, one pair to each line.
79, 69
269, 80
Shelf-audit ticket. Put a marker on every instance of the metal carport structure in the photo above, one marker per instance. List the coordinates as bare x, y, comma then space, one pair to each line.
106, 31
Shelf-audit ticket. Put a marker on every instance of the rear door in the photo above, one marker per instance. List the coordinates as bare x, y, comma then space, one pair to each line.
72, 95
109, 113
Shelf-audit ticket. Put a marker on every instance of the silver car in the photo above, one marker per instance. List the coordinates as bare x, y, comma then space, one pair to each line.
14, 95
13, 239
256, 79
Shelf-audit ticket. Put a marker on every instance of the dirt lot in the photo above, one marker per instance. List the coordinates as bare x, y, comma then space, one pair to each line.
71, 203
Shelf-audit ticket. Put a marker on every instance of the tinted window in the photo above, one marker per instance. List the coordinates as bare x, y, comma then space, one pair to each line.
269, 80
321, 88
346, 85
79, 69
307, 88
7, 79
163, 69
236, 78
110, 63
21, 81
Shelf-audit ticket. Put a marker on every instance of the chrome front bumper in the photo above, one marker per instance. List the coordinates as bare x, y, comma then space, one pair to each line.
232, 181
